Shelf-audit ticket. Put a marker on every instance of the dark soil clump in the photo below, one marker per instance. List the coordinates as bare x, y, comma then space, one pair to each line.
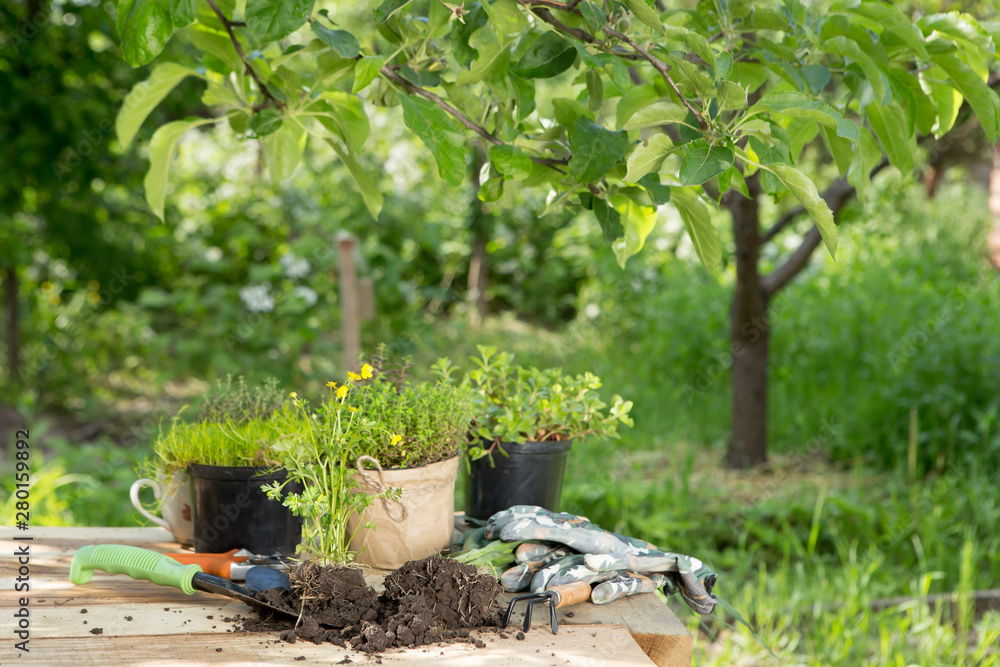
431, 600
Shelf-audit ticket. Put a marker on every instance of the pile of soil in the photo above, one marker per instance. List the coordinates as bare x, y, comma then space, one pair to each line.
425, 601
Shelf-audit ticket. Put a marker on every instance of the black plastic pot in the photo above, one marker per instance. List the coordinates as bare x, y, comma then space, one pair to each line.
531, 474
232, 512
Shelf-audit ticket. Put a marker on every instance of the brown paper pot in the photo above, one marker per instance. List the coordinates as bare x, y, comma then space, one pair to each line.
417, 525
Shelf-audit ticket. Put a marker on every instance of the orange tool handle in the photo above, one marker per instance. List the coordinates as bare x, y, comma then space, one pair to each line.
217, 564
570, 594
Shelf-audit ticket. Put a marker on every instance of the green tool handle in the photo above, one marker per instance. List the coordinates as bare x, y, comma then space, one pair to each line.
133, 561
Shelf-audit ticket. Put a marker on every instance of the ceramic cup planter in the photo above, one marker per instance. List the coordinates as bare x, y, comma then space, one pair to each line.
420, 523
231, 511
174, 495
530, 474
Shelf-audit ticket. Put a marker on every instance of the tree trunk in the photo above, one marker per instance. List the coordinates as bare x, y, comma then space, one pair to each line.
749, 335
993, 241
12, 324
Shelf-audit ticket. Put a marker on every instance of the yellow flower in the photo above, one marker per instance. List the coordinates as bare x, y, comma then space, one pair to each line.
351, 375
294, 395
331, 384
396, 440
366, 371
352, 408
341, 391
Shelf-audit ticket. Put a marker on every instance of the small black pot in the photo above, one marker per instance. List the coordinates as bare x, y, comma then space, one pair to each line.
531, 474
231, 511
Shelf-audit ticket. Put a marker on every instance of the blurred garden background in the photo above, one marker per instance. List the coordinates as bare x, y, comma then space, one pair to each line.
884, 424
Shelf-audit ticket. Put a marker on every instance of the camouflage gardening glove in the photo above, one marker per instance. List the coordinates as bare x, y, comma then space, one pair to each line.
567, 570
627, 583
693, 578
531, 557
605, 551
529, 522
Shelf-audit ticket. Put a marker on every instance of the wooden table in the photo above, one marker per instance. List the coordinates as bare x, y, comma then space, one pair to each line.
115, 620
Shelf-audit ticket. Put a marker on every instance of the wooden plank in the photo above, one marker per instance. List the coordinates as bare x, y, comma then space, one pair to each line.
595, 646
652, 624
160, 611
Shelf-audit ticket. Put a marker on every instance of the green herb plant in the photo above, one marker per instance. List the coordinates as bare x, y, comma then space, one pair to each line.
432, 418
332, 438
231, 442
516, 404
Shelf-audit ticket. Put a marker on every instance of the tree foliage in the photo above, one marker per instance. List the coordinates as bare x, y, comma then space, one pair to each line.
675, 106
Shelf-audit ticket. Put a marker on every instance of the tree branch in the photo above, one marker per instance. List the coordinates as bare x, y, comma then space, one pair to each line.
661, 67
228, 25
389, 73
582, 35
836, 196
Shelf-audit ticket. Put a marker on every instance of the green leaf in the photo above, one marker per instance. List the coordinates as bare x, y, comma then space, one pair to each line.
658, 192
638, 221
341, 41
144, 27
265, 121
659, 113
731, 96
144, 97
698, 223
595, 150
595, 90
346, 118
798, 105
646, 14
816, 76
981, 98
609, 219
388, 8
369, 191
867, 155
284, 150
896, 22
220, 95
524, 93
946, 99
365, 71
648, 157
702, 162
162, 147
492, 189
732, 178
567, 112
632, 100
217, 44
889, 124
548, 56
270, 20
849, 49
839, 148
804, 190
462, 32
420, 78
512, 162
958, 26
182, 12
440, 134
593, 15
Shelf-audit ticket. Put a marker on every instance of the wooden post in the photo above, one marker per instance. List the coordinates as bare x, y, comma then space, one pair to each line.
993, 240
350, 308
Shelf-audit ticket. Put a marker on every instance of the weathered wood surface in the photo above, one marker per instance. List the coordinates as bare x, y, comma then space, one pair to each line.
143, 623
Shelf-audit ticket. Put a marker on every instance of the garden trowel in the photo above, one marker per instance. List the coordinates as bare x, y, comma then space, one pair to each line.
155, 567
